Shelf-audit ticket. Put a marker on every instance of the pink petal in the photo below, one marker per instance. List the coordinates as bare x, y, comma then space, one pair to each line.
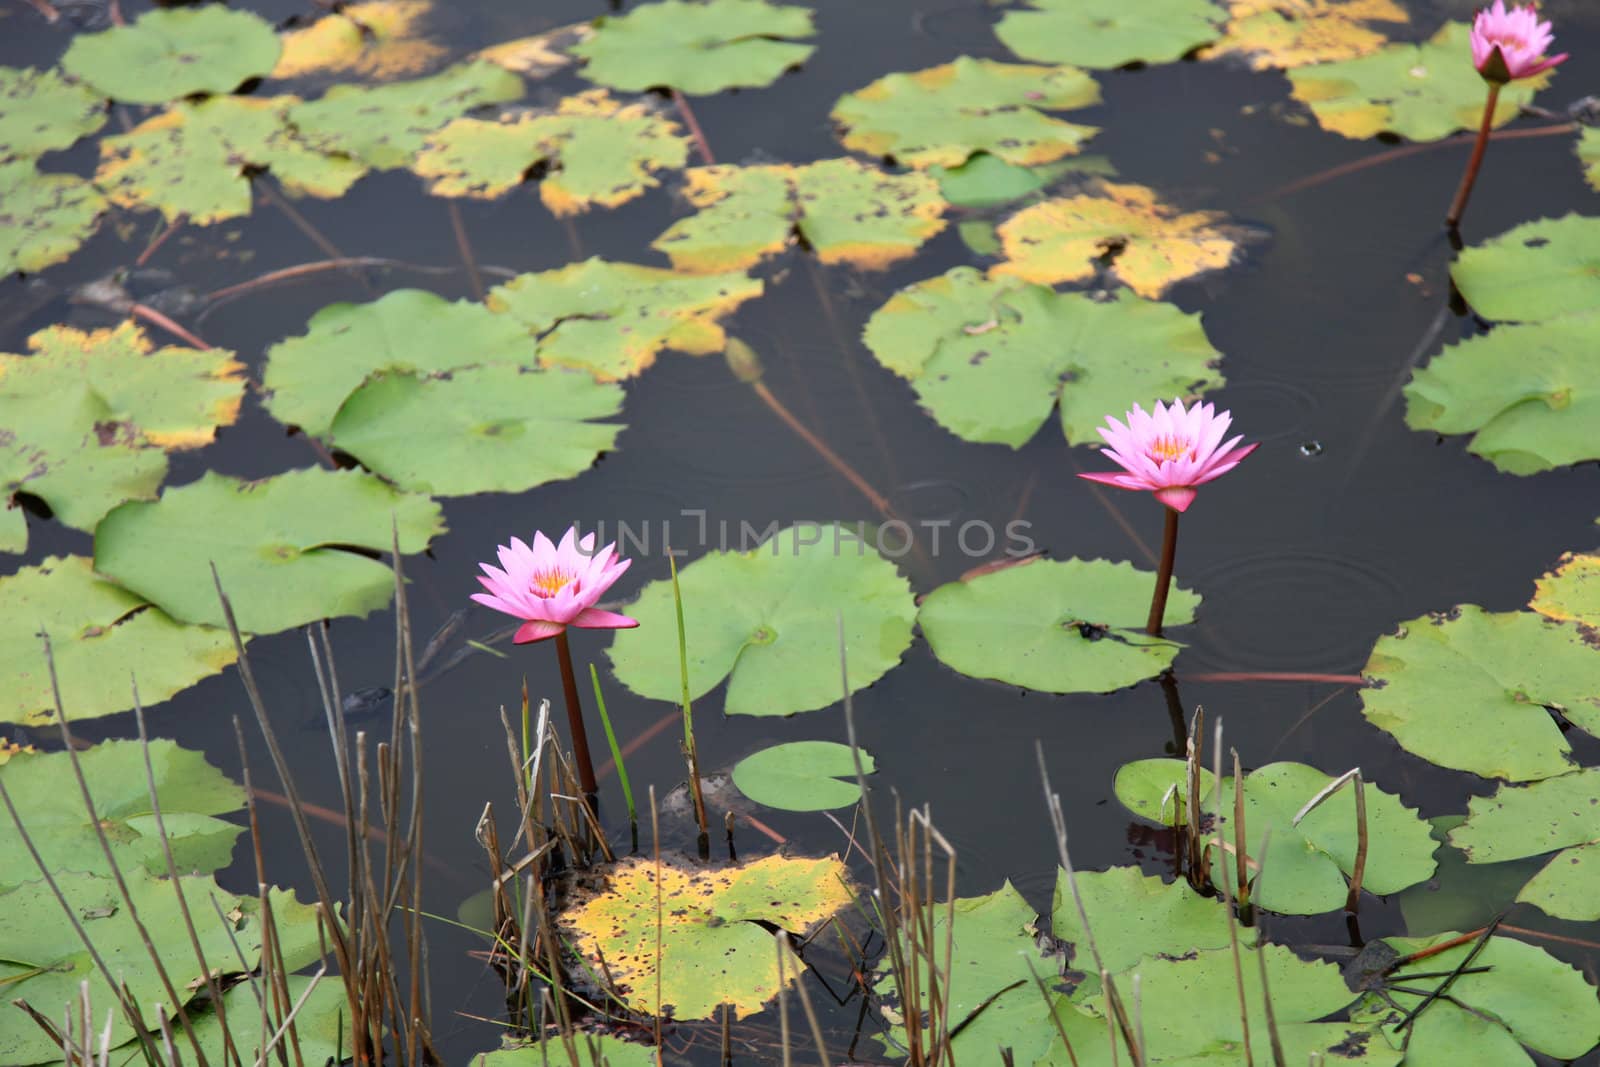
596, 619
1177, 497
536, 630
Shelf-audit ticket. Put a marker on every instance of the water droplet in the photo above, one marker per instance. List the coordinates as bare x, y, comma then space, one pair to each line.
1311, 449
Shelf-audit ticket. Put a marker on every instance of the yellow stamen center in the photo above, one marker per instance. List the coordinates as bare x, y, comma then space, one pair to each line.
547, 584
1168, 449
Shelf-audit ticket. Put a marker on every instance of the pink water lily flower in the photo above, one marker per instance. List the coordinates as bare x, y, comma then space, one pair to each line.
553, 586
1169, 452
1507, 45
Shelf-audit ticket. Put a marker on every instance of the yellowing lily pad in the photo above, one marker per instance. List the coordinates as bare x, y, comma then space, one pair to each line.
192, 159
374, 39
1151, 246
714, 948
103, 637
613, 319
1272, 34
1109, 33
991, 357
173, 52
1570, 593
696, 48
845, 211
41, 111
1589, 155
599, 153
540, 55
43, 217
1421, 92
943, 115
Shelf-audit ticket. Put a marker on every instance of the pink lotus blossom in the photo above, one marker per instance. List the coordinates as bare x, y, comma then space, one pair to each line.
1507, 45
1169, 452
553, 586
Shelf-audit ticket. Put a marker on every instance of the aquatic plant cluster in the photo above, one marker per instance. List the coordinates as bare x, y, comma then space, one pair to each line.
118, 937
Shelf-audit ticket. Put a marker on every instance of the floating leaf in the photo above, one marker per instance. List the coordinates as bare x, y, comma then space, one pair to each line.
986, 181
540, 55
990, 357
283, 546
43, 217
1109, 33
715, 947
696, 48
192, 160
1528, 394
1297, 33
374, 39
769, 618
845, 211
173, 52
1589, 155
322, 1031
1156, 789
1514, 994
941, 116
385, 126
594, 1050
802, 776
10, 749
599, 152
308, 377
1151, 246
612, 319
1469, 690
1556, 815
1460, 895
1421, 92
190, 791
41, 111
1535, 272
1059, 626
1570, 593
104, 639
486, 429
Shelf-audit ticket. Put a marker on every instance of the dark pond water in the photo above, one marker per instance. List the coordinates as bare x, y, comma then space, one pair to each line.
1343, 523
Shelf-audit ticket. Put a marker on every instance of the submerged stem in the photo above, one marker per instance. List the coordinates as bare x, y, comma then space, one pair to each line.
580, 739
1169, 553
1470, 175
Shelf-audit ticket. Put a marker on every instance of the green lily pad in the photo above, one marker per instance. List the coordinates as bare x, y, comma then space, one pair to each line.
943, 115
1469, 689
1555, 815
986, 181
599, 153
492, 429
990, 357
767, 620
103, 639
1588, 149
173, 52
192, 160
1571, 592
1156, 789
1059, 626
41, 111
1460, 895
321, 1026
1109, 33
612, 319
282, 546
385, 126
1521, 996
1535, 272
1528, 394
845, 211
802, 776
713, 930
594, 1050
43, 217
696, 48
307, 378
190, 790
1421, 92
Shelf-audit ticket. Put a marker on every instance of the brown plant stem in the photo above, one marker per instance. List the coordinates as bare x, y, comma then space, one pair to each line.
160, 239
1275, 676
820, 447
464, 246
156, 318
1169, 553
1475, 161
699, 135
45, 8
580, 739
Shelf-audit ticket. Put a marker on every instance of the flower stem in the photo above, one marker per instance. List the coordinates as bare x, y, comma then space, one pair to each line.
1169, 552
1459, 205
580, 739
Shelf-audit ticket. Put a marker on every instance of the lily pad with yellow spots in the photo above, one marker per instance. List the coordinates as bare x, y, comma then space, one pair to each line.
1571, 592
1589, 155
540, 55
613, 319
44, 218
1271, 34
845, 211
714, 948
379, 39
1150, 246
598, 151
41, 111
943, 115
1421, 92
